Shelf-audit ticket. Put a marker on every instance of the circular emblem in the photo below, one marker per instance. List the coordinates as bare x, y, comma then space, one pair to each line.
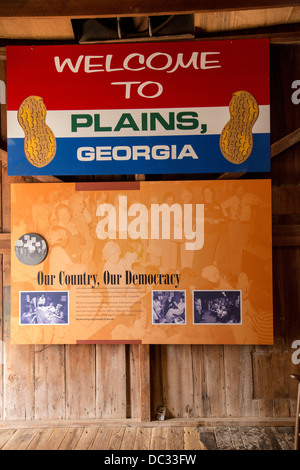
31, 249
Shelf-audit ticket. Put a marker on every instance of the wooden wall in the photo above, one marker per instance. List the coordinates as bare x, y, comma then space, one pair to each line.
195, 383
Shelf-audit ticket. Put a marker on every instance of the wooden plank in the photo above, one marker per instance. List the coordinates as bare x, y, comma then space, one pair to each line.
129, 438
284, 445
268, 432
21, 439
36, 29
277, 35
271, 380
238, 381
102, 8
250, 438
40, 439
266, 407
159, 439
177, 377
111, 423
139, 378
56, 437
167, 439
285, 143
144, 368
236, 437
71, 439
191, 439
111, 381
256, 439
175, 438
87, 439
282, 407
286, 235
297, 424
5, 435
4, 242
284, 306
116, 439
50, 382
143, 439
102, 439
285, 204
223, 438
219, 21
208, 438
157, 399
199, 382
285, 436
80, 381
134, 391
19, 382
214, 373
2, 344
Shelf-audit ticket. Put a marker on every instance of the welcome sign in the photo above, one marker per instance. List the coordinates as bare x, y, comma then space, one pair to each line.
177, 107
148, 262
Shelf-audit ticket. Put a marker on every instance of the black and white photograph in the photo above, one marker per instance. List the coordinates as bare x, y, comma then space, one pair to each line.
44, 308
31, 249
169, 307
217, 307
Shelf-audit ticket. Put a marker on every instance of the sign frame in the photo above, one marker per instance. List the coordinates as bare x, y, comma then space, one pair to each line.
145, 108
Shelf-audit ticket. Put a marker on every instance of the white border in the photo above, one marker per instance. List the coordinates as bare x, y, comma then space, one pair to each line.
46, 291
168, 324
218, 324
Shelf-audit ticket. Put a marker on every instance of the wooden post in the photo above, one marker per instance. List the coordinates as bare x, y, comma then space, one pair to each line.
139, 379
297, 424
4, 243
144, 371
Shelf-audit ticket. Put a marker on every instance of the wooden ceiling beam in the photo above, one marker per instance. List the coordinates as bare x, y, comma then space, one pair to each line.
277, 34
113, 8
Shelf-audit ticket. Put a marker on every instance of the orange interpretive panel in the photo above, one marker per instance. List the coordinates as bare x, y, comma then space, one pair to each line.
169, 262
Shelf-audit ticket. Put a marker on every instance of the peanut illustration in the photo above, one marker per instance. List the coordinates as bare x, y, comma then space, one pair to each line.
39, 141
236, 139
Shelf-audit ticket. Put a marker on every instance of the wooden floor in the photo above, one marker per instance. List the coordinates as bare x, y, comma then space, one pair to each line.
148, 438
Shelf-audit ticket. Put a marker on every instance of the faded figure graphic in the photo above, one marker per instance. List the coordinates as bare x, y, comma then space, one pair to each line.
186, 257
214, 220
239, 212
75, 238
